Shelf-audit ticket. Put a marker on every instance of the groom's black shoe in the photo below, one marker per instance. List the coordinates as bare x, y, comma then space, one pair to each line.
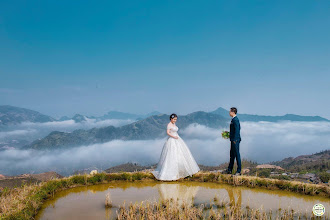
227, 172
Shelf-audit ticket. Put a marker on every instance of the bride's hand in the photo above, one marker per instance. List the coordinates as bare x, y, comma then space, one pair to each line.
176, 137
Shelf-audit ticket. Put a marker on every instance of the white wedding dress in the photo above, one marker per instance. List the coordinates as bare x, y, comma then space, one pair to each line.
176, 160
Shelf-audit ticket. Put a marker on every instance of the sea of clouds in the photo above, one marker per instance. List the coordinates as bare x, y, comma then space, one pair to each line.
261, 141
27, 132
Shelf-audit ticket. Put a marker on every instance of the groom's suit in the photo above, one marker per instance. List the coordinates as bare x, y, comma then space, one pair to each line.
235, 138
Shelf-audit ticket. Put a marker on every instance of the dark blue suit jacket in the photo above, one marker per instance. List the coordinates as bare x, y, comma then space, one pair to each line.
235, 129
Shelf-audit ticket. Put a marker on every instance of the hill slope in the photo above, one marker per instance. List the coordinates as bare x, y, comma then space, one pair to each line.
124, 115
146, 129
319, 162
10, 115
255, 118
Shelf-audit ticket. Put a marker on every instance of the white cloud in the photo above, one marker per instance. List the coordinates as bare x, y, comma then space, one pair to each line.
66, 161
15, 133
30, 131
71, 124
261, 142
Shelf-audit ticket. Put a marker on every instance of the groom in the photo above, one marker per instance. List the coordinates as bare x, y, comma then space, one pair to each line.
235, 139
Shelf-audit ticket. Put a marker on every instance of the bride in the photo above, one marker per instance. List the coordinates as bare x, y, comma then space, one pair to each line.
176, 160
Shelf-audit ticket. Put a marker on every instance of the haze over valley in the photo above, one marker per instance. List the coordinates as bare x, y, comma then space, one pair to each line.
70, 144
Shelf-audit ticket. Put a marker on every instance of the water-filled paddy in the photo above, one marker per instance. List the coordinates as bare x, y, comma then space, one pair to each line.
88, 202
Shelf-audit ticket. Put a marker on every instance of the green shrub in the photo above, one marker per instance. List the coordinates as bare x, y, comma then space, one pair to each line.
137, 176
325, 177
96, 178
125, 176
78, 179
261, 182
281, 177
210, 177
264, 173
112, 176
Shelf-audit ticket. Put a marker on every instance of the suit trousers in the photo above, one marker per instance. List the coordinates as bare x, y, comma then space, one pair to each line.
234, 153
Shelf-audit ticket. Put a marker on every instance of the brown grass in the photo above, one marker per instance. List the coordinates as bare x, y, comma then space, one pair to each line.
171, 209
108, 202
24, 202
272, 184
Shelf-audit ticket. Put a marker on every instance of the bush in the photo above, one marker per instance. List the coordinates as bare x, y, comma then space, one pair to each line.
137, 176
281, 177
262, 182
125, 176
264, 173
210, 177
78, 179
324, 177
97, 178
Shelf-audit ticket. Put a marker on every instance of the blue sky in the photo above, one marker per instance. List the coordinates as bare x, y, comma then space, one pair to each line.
89, 57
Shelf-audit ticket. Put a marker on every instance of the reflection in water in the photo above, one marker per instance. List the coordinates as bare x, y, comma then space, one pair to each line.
108, 213
87, 202
235, 192
182, 193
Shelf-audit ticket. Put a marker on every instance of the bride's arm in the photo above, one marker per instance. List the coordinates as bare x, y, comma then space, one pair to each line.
169, 134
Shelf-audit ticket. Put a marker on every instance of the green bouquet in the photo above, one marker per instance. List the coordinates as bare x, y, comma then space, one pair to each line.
225, 134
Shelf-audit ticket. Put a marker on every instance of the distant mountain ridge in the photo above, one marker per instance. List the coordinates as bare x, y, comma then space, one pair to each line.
255, 118
10, 115
124, 115
110, 115
146, 129
149, 126
317, 162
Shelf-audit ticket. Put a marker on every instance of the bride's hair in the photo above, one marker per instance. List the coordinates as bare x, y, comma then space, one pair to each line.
173, 116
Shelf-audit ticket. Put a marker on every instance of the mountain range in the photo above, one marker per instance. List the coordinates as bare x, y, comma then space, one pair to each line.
149, 126
110, 115
255, 118
318, 162
145, 129
10, 115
